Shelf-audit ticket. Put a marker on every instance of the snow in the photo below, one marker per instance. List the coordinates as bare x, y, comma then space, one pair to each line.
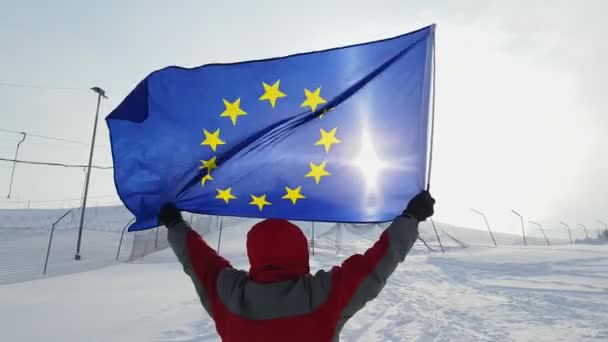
481, 293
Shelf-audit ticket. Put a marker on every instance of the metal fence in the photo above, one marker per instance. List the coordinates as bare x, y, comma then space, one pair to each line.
38, 243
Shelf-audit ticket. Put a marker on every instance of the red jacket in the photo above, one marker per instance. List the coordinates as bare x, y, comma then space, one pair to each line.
278, 299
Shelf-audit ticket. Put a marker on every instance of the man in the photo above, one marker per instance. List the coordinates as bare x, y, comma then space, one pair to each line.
278, 299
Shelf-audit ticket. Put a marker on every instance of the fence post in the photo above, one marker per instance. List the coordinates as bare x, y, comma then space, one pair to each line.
437, 234
219, 239
523, 229
156, 238
121, 236
48, 250
462, 244
426, 244
487, 225
542, 230
312, 241
585, 228
599, 233
10, 186
569, 231
339, 237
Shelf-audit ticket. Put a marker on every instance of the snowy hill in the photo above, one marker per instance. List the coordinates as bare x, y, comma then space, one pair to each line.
480, 293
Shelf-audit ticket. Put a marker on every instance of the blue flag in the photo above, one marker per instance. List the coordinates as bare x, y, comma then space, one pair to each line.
340, 135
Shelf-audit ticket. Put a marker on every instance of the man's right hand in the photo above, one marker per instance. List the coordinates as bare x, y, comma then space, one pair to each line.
169, 215
421, 206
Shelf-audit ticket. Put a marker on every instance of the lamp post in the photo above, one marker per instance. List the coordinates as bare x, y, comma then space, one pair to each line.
100, 93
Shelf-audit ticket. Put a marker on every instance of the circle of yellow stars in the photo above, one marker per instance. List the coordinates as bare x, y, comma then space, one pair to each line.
272, 93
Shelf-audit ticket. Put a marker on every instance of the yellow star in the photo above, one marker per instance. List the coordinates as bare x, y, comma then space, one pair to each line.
225, 195
325, 112
206, 178
233, 110
259, 201
318, 171
293, 194
328, 139
212, 139
209, 164
272, 93
313, 99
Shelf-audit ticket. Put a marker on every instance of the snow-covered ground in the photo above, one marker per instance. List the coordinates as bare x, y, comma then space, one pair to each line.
475, 294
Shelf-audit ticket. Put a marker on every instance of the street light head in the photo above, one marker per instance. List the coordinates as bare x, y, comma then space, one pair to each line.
99, 91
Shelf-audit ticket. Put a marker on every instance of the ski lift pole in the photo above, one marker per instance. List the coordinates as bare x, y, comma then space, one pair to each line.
10, 186
437, 234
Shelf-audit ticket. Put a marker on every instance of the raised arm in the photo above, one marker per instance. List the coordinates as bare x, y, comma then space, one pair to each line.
361, 277
199, 260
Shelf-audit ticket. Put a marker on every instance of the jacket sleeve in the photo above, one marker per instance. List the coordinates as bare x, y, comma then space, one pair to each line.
361, 277
200, 262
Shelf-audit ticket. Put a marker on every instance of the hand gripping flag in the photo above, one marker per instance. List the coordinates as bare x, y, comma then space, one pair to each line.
340, 135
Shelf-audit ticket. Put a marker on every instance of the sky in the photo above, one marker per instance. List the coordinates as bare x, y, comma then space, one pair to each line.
520, 90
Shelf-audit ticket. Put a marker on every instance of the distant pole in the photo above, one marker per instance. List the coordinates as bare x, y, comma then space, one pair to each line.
156, 238
48, 250
10, 186
312, 240
569, 231
542, 230
100, 93
219, 239
523, 229
426, 244
437, 235
605, 227
487, 225
122, 235
585, 228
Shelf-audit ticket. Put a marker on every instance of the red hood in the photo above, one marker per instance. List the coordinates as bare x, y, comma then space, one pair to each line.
277, 251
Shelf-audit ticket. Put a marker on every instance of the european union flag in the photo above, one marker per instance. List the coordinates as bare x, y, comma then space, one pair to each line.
339, 135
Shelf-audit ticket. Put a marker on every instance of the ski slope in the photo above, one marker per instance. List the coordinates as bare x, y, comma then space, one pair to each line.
479, 293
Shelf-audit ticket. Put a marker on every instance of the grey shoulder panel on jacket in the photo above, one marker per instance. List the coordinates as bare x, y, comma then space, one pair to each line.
257, 301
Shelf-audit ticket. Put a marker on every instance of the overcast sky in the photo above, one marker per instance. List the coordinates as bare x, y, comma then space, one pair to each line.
521, 89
